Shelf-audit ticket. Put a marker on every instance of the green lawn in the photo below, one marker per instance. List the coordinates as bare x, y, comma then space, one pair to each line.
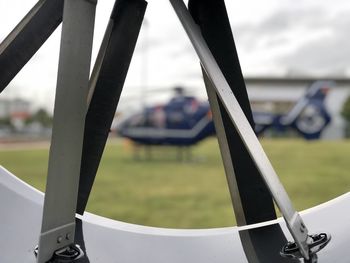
167, 193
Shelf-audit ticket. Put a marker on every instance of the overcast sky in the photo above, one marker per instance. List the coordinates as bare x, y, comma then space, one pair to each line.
273, 37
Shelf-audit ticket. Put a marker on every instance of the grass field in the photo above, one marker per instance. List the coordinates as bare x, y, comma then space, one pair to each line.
164, 192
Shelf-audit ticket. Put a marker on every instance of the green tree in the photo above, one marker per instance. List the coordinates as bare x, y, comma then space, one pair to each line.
346, 115
41, 116
5, 121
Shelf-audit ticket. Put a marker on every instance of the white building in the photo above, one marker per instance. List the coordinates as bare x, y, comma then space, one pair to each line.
14, 107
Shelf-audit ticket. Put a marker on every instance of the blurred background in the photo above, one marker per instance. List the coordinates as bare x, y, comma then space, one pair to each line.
283, 46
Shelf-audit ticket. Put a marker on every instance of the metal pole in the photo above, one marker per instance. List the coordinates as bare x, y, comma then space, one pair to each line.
215, 76
225, 153
58, 223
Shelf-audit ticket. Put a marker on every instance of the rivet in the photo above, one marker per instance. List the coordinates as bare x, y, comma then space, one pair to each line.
59, 239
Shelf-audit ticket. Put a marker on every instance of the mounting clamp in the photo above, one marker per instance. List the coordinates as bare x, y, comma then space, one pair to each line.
315, 244
71, 253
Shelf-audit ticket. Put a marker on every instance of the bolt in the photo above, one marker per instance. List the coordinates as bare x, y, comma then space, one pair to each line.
59, 239
68, 236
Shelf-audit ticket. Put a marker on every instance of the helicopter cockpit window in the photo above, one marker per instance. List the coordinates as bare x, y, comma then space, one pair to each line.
137, 120
157, 118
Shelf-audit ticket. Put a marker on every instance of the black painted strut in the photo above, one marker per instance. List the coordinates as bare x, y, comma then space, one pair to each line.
256, 201
126, 19
27, 37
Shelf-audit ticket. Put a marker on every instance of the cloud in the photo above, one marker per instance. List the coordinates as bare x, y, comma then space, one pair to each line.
298, 38
303, 38
280, 25
328, 54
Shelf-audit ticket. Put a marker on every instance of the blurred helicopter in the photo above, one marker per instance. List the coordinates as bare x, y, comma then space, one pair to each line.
184, 120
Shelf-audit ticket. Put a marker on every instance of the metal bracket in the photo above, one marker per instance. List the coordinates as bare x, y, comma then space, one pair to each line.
315, 243
71, 253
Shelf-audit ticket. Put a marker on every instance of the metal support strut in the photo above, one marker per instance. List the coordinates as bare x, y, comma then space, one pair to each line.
293, 220
106, 85
252, 201
58, 223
